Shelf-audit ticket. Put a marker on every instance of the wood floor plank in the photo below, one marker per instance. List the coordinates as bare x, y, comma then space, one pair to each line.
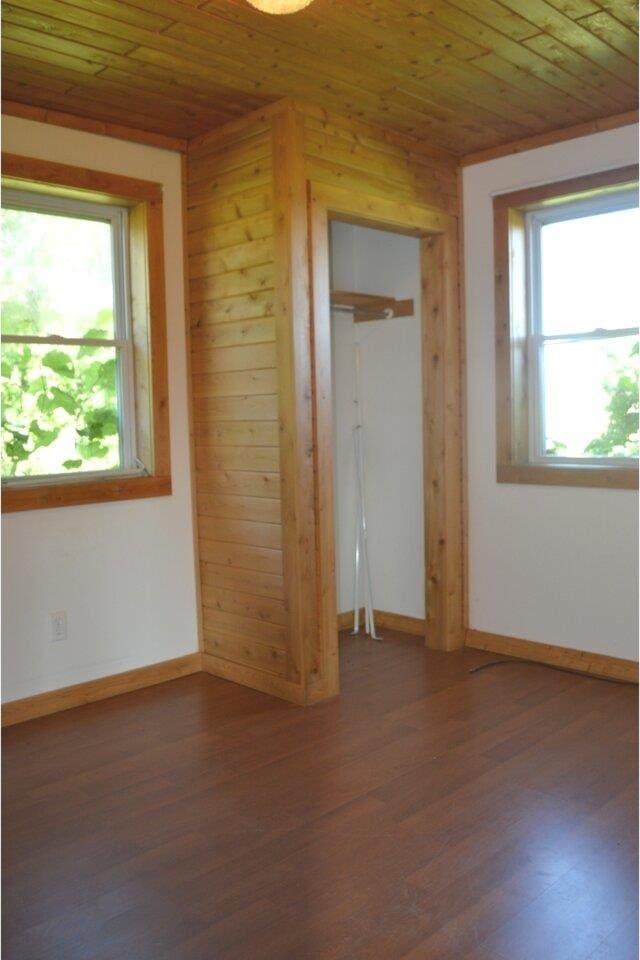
426, 813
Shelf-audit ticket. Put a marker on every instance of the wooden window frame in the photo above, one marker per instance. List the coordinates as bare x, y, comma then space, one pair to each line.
143, 199
514, 464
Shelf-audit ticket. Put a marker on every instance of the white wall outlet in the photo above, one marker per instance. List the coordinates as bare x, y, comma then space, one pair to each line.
58, 626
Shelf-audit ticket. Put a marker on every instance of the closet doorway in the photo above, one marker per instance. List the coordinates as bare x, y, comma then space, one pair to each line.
377, 430
338, 216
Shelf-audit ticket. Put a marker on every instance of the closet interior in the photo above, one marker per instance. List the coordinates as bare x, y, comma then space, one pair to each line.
378, 454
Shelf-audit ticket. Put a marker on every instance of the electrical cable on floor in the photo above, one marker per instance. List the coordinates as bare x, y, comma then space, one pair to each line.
550, 666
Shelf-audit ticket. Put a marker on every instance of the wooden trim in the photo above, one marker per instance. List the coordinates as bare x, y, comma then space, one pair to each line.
323, 437
442, 415
78, 493
370, 211
190, 419
295, 411
562, 191
597, 664
562, 475
442, 403
95, 185
256, 679
554, 136
115, 130
148, 312
462, 308
511, 342
345, 619
416, 626
43, 704
156, 325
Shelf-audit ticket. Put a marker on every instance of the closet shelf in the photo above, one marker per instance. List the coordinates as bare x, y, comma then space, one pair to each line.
368, 306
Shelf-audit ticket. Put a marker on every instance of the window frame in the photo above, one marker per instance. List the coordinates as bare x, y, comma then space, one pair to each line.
122, 341
144, 316
518, 407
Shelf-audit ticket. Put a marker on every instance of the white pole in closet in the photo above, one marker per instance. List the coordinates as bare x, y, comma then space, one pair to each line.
361, 569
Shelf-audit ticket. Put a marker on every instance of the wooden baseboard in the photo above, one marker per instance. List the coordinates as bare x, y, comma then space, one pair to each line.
596, 664
256, 679
345, 620
42, 704
386, 620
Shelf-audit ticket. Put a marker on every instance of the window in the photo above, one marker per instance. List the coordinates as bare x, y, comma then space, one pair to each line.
83, 354
67, 359
567, 301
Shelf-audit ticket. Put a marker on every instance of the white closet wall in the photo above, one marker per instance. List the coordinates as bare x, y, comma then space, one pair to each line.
377, 262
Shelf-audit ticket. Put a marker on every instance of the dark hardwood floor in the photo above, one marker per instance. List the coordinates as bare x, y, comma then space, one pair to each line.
428, 814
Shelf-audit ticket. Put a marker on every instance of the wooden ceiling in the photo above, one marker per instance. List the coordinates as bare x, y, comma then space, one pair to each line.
464, 74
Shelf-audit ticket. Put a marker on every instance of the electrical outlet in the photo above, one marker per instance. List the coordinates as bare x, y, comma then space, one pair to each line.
58, 626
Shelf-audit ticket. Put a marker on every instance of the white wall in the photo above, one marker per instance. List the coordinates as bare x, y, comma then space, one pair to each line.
550, 564
124, 572
373, 261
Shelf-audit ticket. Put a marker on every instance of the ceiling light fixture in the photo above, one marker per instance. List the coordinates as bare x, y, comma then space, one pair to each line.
279, 6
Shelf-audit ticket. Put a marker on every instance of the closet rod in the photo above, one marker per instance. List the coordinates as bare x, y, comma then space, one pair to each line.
367, 306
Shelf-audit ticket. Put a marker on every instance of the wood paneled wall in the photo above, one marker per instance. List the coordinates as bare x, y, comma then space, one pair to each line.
252, 371
345, 153
234, 395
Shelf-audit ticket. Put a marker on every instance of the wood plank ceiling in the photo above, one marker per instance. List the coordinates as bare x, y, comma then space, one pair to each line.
463, 74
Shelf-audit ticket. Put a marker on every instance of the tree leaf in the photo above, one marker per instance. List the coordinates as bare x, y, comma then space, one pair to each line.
71, 464
100, 423
45, 404
59, 362
16, 451
43, 437
107, 376
63, 399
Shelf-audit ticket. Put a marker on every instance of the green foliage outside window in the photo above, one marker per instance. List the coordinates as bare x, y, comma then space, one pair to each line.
621, 436
59, 410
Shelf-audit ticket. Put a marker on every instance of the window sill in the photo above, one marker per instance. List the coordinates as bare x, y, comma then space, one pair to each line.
75, 494
564, 475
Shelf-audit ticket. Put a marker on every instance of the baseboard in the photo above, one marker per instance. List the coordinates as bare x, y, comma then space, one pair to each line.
250, 677
386, 620
42, 704
345, 620
596, 664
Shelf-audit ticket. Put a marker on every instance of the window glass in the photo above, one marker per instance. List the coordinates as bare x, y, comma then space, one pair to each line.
57, 275
60, 409
590, 397
589, 272
67, 404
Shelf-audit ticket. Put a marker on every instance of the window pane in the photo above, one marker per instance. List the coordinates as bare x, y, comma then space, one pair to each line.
60, 410
589, 273
56, 275
590, 398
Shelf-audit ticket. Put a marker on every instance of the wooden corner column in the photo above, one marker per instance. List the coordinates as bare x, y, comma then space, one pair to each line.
295, 390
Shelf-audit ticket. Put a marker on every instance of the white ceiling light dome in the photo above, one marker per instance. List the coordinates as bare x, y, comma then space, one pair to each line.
280, 6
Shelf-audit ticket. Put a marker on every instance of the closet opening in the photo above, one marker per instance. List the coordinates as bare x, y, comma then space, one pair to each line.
378, 488
388, 405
